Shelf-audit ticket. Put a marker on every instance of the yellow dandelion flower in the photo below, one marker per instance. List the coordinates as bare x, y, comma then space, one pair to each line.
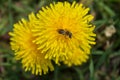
64, 33
25, 50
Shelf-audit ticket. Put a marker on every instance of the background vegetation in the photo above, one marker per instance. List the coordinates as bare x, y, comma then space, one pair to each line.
104, 62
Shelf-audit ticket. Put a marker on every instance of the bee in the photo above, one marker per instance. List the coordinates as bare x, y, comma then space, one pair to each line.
65, 32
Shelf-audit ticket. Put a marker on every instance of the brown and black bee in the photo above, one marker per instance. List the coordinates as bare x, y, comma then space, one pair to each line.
65, 32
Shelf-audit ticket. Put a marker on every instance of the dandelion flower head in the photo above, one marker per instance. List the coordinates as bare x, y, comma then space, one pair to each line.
63, 30
25, 50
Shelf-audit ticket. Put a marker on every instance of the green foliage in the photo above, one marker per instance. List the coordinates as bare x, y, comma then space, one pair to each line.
104, 62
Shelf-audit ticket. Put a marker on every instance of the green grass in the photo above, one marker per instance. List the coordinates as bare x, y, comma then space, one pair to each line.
104, 62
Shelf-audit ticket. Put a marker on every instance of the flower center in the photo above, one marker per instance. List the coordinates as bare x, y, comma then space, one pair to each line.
65, 32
